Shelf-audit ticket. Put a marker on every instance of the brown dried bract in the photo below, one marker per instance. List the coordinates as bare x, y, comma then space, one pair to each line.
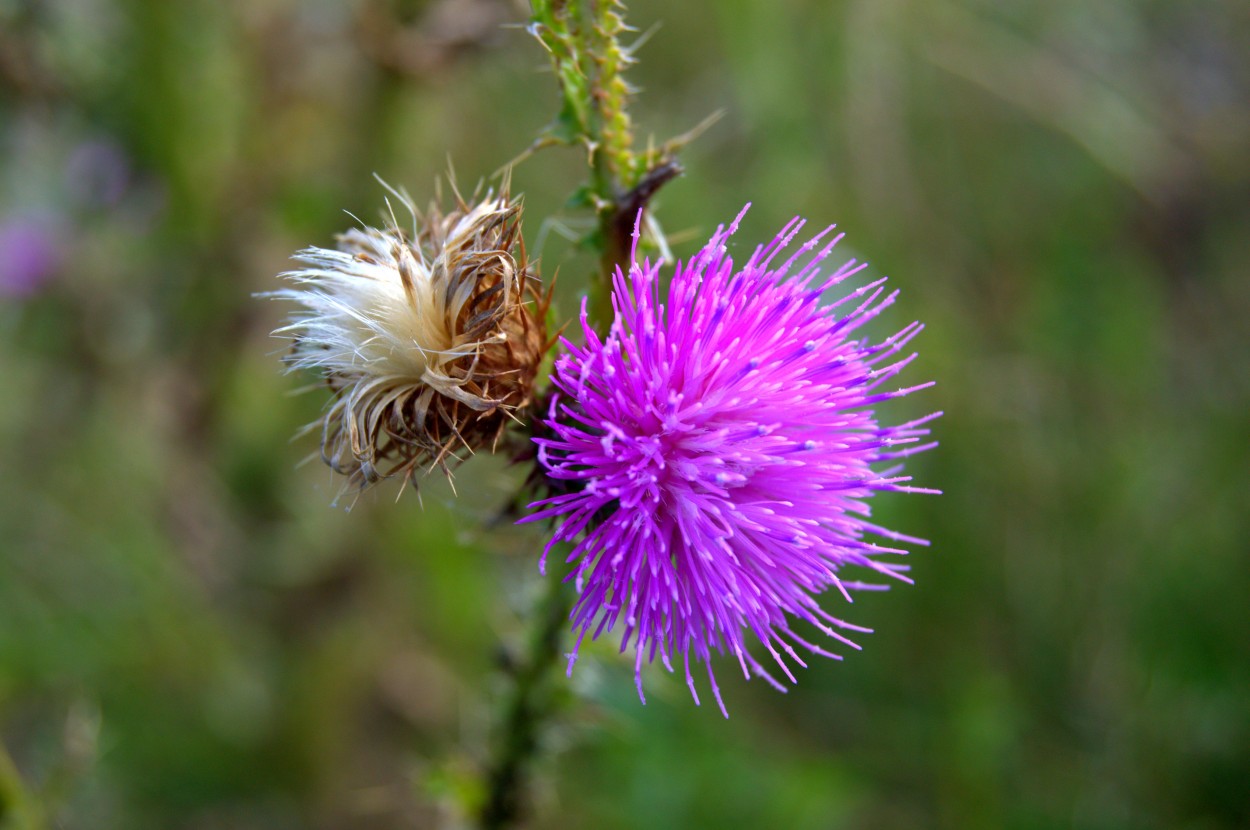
431, 341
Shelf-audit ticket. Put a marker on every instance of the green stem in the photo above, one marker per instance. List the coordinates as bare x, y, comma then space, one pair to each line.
616, 229
533, 699
583, 40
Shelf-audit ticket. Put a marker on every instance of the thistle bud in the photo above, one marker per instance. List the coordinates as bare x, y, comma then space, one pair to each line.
430, 340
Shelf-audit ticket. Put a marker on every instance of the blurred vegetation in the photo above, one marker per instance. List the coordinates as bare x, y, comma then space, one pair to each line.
192, 637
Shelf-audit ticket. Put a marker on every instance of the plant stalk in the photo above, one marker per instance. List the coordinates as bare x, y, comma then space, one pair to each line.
582, 38
534, 696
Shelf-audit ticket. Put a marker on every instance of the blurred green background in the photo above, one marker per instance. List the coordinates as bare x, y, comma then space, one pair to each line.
191, 636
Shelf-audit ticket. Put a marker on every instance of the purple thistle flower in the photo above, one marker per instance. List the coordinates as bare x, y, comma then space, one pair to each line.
716, 455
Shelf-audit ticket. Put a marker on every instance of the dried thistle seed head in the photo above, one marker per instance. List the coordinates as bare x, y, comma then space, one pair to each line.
430, 339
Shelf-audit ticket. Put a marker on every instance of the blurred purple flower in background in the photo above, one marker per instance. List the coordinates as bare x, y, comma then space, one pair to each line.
30, 254
715, 456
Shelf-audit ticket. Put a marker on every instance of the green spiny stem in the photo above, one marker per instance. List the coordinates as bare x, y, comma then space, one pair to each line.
533, 699
617, 224
583, 40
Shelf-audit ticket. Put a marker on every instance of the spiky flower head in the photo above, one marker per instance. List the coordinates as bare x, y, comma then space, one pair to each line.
718, 453
430, 338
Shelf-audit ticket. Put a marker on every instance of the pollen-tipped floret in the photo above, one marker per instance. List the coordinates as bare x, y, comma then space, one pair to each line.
430, 339
713, 457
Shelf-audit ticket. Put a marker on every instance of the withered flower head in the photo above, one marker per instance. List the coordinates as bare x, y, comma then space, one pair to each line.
430, 339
